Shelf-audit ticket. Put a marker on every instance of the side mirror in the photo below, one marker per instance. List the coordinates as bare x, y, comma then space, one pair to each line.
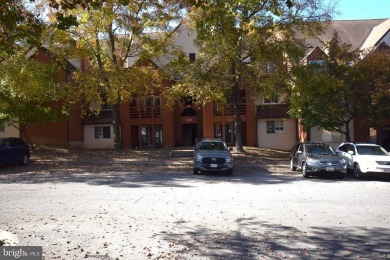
299, 152
351, 152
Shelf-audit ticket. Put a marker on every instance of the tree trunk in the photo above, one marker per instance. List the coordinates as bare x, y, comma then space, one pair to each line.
347, 132
237, 117
22, 130
117, 126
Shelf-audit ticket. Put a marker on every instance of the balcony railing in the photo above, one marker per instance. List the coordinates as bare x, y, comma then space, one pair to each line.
145, 112
228, 109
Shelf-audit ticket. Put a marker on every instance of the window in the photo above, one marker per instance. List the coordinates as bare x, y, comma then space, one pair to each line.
373, 135
147, 136
106, 106
158, 135
218, 131
316, 62
225, 133
2, 128
191, 56
229, 133
271, 99
275, 127
102, 132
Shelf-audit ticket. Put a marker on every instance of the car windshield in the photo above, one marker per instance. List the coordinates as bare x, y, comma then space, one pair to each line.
320, 149
370, 150
212, 146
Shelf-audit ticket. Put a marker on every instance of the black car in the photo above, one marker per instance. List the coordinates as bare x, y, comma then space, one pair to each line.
14, 150
315, 159
212, 155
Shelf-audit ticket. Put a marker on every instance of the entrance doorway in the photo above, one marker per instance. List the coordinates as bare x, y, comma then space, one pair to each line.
384, 141
189, 134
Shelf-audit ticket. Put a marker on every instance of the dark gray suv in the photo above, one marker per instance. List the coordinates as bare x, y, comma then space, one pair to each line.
212, 155
315, 159
14, 150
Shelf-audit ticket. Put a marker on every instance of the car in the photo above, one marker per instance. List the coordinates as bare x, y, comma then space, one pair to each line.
364, 158
14, 150
316, 159
212, 155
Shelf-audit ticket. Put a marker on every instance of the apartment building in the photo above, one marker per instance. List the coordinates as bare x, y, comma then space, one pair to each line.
148, 123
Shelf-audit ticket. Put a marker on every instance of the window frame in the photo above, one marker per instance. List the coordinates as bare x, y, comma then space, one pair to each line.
272, 125
102, 132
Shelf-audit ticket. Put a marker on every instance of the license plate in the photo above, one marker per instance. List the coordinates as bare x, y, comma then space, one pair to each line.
329, 169
213, 165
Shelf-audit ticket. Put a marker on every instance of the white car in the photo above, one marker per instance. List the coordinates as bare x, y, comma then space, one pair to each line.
363, 158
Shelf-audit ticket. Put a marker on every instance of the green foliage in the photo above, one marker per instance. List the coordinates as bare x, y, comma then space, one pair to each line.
319, 99
370, 78
28, 93
349, 84
244, 44
107, 33
19, 28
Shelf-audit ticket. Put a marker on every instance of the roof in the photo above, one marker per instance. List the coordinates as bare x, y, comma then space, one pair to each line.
104, 117
354, 32
272, 111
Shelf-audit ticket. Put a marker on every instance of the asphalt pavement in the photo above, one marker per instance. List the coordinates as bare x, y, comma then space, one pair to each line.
163, 211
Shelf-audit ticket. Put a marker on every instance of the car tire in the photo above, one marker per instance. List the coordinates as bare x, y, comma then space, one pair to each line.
196, 171
357, 173
25, 159
292, 167
304, 171
229, 172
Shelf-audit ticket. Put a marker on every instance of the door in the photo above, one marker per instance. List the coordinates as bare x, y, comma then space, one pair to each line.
385, 138
189, 134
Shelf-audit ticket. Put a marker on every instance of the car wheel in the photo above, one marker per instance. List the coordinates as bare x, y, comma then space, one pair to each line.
356, 171
196, 171
304, 171
229, 172
24, 160
292, 167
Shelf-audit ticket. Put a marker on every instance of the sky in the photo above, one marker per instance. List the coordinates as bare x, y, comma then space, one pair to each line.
362, 9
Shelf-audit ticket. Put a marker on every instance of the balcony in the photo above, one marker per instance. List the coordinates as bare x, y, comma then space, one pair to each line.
145, 112
228, 109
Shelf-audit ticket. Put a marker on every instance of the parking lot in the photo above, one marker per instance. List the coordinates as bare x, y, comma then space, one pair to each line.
144, 204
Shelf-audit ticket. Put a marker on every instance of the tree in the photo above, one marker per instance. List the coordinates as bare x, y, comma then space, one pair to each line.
330, 95
244, 44
320, 99
19, 28
28, 93
107, 35
370, 78
27, 86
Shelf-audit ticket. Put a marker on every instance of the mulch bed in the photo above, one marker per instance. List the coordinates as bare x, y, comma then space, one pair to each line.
57, 160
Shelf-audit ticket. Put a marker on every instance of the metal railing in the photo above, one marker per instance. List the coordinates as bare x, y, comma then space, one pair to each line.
145, 112
228, 109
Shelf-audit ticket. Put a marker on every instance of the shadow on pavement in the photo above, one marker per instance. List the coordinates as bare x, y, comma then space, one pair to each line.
253, 239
